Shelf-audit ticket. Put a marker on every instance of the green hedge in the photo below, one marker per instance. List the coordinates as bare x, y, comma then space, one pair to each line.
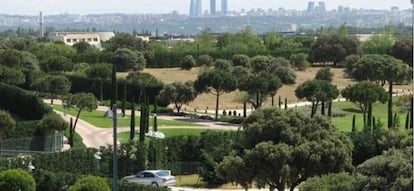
164, 59
84, 84
21, 102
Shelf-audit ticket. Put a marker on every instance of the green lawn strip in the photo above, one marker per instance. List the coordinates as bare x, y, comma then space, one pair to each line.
170, 132
344, 124
96, 118
379, 111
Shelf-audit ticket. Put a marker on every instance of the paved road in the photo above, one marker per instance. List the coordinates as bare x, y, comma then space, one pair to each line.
96, 137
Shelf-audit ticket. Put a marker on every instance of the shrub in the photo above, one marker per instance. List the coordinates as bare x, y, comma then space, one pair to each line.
90, 183
188, 62
340, 181
22, 102
51, 181
17, 179
231, 119
126, 186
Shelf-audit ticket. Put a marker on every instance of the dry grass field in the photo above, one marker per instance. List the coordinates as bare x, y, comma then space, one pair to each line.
229, 101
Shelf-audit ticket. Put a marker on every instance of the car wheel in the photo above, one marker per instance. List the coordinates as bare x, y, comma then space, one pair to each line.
154, 184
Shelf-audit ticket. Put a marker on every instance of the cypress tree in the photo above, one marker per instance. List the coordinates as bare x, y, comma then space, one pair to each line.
353, 124
132, 125
286, 107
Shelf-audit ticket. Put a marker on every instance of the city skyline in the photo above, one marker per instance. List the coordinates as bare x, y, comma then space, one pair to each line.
32, 7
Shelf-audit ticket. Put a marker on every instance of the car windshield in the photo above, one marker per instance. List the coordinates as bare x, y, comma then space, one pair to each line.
162, 173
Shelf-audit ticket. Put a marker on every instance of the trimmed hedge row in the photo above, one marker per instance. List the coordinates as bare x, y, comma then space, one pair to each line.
21, 102
173, 59
84, 84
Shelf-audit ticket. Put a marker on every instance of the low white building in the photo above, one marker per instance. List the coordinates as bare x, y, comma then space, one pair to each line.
71, 38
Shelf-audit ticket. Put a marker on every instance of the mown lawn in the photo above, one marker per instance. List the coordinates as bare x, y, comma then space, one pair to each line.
344, 124
97, 119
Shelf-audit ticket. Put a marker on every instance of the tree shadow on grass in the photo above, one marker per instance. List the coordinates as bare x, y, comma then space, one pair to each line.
352, 110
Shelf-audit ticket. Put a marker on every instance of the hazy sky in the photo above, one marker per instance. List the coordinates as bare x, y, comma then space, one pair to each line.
32, 7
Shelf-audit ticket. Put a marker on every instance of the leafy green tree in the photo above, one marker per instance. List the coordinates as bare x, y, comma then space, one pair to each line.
324, 74
365, 94
17, 179
261, 85
15, 59
188, 62
403, 49
56, 85
271, 156
80, 101
178, 93
317, 91
371, 68
216, 82
12, 76
56, 64
282, 148
204, 60
233, 169
260, 64
392, 170
379, 43
45, 50
221, 64
84, 47
126, 59
100, 73
285, 74
338, 181
350, 62
7, 124
333, 48
300, 61
126, 40
90, 183
51, 123
241, 60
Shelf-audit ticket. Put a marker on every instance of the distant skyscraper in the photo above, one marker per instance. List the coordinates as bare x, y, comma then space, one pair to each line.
193, 8
321, 7
224, 7
212, 7
199, 8
311, 6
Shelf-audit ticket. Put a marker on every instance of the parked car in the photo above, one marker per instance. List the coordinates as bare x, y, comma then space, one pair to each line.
161, 178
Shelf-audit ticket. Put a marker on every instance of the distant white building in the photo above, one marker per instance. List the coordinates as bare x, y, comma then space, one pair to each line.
71, 38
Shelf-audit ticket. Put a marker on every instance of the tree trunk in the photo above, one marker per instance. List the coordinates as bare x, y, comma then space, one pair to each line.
257, 101
101, 91
217, 105
323, 108
390, 121
330, 108
286, 104
141, 124
273, 100
77, 117
369, 119
132, 124
313, 109
244, 109
280, 102
71, 132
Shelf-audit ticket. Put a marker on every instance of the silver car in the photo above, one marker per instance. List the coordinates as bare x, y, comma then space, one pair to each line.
161, 178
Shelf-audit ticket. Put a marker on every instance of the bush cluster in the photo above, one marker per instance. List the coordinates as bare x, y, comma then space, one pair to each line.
21, 102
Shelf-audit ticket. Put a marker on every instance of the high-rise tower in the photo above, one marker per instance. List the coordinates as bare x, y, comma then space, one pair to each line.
224, 7
311, 7
212, 7
199, 8
193, 8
